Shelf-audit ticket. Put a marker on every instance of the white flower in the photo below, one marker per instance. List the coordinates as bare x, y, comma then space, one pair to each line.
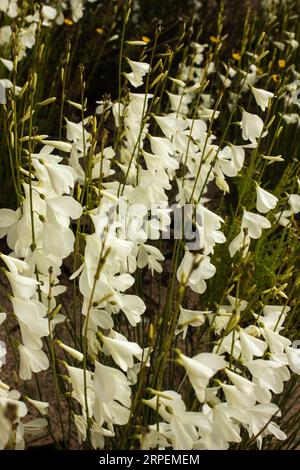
262, 97
138, 70
274, 316
293, 356
284, 217
48, 13
132, 305
113, 395
57, 241
224, 429
257, 419
252, 126
254, 223
269, 375
77, 9
61, 209
243, 385
41, 406
58, 144
31, 360
242, 240
121, 350
182, 424
231, 159
201, 369
251, 346
8, 218
31, 316
276, 342
265, 201
11, 430
194, 271
161, 146
189, 318
78, 386
236, 398
294, 202
171, 124
150, 255
73, 352
22, 286
10, 7
62, 177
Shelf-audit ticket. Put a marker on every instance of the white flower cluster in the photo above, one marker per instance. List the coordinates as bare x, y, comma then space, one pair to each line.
40, 237
235, 382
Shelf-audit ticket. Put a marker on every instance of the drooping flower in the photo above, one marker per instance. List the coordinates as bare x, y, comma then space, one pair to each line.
200, 369
265, 201
31, 360
252, 126
262, 97
138, 70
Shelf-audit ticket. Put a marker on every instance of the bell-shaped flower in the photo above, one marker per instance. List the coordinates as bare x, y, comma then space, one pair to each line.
57, 241
276, 342
235, 397
61, 209
77, 134
274, 316
138, 70
268, 374
294, 202
243, 385
224, 429
254, 223
132, 305
112, 395
171, 124
31, 313
284, 217
262, 97
265, 201
171, 408
251, 346
241, 241
189, 318
208, 225
231, 159
62, 177
8, 218
80, 386
157, 163
23, 287
194, 271
293, 356
258, 422
73, 352
230, 344
200, 369
31, 360
161, 146
121, 350
252, 126
151, 256
184, 435
41, 406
